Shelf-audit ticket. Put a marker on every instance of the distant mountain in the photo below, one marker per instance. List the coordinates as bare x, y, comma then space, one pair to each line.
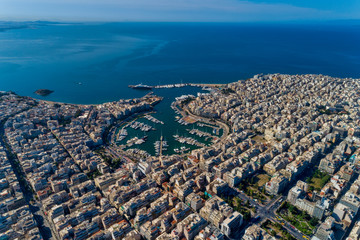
4, 26
9, 25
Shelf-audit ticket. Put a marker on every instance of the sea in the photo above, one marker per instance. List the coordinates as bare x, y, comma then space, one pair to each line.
91, 63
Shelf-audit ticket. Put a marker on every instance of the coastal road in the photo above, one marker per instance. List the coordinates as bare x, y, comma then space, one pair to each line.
115, 153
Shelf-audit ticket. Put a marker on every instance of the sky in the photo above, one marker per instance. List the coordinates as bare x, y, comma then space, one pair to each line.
179, 10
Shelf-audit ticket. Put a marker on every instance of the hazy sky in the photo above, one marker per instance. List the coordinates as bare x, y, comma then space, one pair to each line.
179, 10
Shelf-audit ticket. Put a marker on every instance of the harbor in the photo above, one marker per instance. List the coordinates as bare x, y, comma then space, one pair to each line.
142, 126
131, 136
180, 133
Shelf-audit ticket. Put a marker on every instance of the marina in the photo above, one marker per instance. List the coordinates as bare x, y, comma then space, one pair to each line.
121, 135
182, 121
181, 150
200, 133
154, 120
135, 141
179, 133
134, 144
142, 126
160, 146
189, 140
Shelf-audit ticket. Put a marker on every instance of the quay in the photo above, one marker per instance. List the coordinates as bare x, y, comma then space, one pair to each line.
185, 113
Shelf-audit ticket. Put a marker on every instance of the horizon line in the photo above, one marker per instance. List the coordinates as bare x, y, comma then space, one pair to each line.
182, 21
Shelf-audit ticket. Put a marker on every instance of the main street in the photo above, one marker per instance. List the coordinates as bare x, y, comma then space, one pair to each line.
45, 228
266, 212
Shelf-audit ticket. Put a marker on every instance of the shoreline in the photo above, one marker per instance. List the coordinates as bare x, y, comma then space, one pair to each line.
199, 85
80, 104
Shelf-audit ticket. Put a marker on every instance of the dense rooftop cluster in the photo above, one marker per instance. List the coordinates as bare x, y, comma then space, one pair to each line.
305, 121
293, 129
52, 144
16, 218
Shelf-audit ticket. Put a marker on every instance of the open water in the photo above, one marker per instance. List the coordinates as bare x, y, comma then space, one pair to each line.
90, 63
94, 63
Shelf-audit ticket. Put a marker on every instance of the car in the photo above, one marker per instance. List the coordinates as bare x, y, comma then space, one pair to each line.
305, 237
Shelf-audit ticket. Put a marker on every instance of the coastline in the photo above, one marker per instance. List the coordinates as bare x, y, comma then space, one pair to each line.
205, 86
164, 112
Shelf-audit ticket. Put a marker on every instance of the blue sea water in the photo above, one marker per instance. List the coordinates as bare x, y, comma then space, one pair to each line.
94, 63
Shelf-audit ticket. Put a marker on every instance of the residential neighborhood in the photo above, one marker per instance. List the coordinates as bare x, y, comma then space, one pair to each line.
286, 167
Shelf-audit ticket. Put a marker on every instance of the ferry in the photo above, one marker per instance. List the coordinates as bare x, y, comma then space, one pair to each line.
141, 86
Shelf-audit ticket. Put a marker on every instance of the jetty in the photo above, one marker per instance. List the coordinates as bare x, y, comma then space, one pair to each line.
200, 133
153, 119
188, 140
205, 86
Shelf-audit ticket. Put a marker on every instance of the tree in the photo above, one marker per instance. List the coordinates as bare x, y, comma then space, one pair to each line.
324, 180
278, 225
238, 201
314, 221
287, 235
302, 215
116, 163
252, 180
247, 215
317, 173
291, 208
264, 224
254, 210
273, 233
78, 113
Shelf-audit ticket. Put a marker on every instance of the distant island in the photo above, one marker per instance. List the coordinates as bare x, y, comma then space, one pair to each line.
43, 92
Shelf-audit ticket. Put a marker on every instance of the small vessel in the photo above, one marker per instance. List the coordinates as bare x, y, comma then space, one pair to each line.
141, 86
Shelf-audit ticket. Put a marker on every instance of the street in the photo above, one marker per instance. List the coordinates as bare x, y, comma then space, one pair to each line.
264, 212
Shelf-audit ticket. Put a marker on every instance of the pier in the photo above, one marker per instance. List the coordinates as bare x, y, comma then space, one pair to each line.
188, 140
179, 85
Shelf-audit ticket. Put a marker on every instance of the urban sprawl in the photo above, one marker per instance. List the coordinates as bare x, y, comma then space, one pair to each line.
286, 167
